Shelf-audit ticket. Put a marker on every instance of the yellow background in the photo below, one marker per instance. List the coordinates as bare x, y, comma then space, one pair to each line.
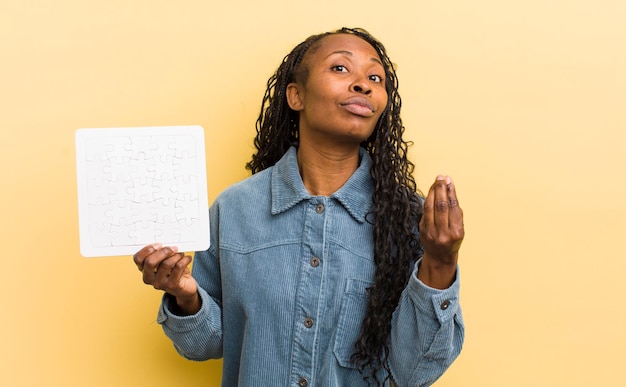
522, 102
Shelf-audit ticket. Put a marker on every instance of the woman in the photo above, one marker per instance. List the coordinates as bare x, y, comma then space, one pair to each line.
316, 274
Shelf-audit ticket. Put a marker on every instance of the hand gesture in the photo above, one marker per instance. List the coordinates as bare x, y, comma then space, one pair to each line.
441, 233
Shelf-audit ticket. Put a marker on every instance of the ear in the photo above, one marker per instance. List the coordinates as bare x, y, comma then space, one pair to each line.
293, 97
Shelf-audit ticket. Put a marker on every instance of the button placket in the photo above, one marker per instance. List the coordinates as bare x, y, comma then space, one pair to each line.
310, 282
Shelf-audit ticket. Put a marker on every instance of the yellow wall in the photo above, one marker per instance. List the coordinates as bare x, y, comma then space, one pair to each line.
521, 102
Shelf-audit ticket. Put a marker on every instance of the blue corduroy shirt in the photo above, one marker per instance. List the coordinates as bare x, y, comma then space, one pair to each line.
283, 289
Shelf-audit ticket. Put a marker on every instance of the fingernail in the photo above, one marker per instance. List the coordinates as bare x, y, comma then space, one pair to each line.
174, 249
448, 180
157, 246
440, 177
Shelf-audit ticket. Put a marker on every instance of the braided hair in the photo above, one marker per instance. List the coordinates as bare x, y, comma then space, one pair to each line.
397, 204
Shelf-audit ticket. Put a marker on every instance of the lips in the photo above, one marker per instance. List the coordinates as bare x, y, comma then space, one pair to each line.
359, 106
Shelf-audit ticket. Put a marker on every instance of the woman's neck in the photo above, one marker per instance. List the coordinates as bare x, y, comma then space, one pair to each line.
324, 170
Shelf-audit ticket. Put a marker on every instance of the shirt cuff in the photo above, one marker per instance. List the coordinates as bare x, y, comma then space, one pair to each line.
440, 303
178, 323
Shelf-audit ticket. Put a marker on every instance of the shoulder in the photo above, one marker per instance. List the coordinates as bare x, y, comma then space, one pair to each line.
250, 189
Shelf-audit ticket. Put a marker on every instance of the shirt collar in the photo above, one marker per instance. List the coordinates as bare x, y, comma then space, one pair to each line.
288, 189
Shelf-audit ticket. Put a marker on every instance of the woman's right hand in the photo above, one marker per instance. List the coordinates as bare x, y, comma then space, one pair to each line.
166, 269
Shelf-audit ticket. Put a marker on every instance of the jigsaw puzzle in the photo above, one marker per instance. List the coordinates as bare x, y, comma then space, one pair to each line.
141, 185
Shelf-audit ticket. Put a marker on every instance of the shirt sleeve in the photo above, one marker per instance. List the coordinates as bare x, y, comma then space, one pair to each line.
427, 332
199, 336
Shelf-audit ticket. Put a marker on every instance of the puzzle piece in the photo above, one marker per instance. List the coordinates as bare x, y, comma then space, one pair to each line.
99, 234
164, 145
186, 188
166, 189
142, 190
142, 168
185, 146
116, 148
143, 214
188, 231
187, 210
121, 213
119, 190
141, 147
166, 210
162, 167
99, 169
101, 213
97, 149
99, 191
119, 169
148, 232
122, 234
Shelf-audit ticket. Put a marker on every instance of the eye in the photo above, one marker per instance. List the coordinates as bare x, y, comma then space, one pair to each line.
376, 78
340, 68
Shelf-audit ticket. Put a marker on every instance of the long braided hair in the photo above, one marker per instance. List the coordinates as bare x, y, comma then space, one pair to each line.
397, 204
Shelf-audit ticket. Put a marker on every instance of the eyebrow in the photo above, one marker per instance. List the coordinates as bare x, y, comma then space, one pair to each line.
349, 53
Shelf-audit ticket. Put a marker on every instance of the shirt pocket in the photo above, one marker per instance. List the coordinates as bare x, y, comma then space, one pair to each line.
351, 315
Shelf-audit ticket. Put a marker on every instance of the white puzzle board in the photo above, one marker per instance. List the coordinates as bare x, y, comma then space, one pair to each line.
141, 185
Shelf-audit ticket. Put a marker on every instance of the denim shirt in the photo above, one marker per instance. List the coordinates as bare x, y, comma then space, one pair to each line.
283, 289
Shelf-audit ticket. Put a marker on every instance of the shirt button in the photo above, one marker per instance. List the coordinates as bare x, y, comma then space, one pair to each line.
308, 322
302, 382
320, 208
315, 261
445, 304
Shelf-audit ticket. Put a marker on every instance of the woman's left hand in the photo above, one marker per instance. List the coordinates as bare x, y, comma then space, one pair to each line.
441, 233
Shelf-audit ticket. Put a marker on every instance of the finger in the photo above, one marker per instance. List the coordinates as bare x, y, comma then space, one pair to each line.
164, 270
455, 213
142, 254
153, 261
180, 268
441, 202
170, 274
429, 211
453, 201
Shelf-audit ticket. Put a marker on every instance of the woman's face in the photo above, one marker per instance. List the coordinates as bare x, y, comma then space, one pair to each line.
344, 94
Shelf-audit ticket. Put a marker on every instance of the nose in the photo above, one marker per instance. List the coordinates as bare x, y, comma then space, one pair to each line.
360, 86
